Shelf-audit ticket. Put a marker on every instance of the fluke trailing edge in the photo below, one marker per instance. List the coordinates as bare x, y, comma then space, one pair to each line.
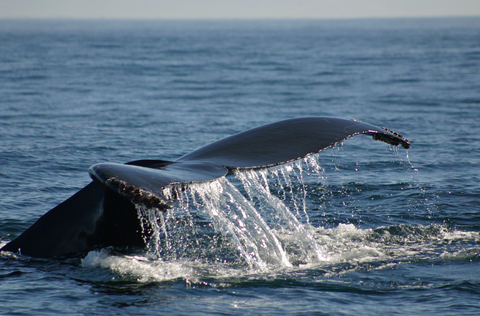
103, 213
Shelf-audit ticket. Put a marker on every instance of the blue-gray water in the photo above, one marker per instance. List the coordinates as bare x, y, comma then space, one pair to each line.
399, 231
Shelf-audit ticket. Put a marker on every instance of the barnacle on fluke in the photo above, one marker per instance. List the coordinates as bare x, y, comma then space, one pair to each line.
396, 141
393, 138
138, 195
104, 213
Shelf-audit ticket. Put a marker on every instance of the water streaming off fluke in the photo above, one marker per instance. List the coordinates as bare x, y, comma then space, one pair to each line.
242, 220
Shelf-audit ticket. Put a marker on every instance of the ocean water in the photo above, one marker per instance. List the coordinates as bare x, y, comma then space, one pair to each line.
360, 229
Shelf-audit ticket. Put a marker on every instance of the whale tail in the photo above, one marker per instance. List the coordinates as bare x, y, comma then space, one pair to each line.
103, 213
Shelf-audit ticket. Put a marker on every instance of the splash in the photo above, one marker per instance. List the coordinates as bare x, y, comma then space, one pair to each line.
295, 235
238, 221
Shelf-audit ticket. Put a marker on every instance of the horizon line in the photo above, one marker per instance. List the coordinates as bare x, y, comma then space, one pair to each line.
239, 18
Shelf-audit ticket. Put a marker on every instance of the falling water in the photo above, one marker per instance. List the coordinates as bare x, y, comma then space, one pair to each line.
241, 216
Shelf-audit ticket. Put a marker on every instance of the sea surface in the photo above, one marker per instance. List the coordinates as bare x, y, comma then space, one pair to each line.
363, 228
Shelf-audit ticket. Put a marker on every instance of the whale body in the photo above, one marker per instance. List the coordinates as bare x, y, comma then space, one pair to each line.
103, 213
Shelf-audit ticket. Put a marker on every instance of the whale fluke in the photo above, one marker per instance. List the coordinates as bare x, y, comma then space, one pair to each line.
103, 213
285, 141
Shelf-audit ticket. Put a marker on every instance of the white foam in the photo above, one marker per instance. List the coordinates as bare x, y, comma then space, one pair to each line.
137, 267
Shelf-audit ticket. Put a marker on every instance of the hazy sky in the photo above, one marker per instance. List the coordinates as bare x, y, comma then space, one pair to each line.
201, 9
